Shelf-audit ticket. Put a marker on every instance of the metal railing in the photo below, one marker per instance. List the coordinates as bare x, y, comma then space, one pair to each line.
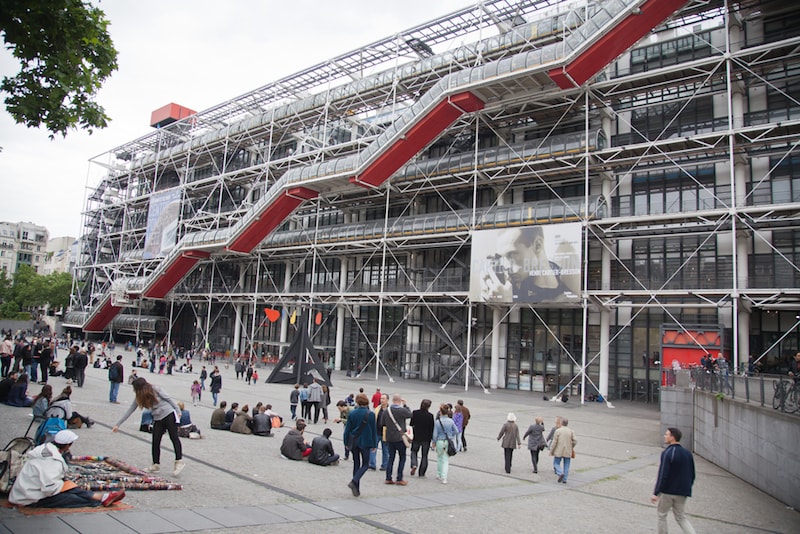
776, 391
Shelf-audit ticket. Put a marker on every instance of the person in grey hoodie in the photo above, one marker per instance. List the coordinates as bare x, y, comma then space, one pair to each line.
166, 413
314, 399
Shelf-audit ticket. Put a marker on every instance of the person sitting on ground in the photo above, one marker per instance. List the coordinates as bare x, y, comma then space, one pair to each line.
6, 384
18, 394
243, 421
294, 446
41, 482
218, 417
230, 415
272, 413
133, 376
262, 424
322, 450
185, 426
42, 402
63, 404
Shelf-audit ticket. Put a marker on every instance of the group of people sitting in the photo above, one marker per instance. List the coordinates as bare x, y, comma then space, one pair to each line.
319, 452
240, 421
186, 428
14, 392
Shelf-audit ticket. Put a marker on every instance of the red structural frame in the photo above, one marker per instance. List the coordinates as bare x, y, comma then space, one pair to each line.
174, 273
271, 217
616, 41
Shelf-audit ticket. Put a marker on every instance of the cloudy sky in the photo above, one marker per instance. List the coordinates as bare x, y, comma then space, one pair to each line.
196, 53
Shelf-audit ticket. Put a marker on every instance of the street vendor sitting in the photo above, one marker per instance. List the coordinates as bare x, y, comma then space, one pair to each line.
41, 482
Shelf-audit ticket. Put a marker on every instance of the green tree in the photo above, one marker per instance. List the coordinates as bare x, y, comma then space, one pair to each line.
59, 286
65, 54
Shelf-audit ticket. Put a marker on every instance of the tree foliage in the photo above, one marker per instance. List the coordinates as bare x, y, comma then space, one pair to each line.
31, 290
65, 54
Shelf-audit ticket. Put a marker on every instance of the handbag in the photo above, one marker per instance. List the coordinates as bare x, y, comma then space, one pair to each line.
573, 453
406, 438
451, 446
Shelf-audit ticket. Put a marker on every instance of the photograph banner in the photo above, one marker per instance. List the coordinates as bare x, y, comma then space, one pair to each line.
162, 223
527, 264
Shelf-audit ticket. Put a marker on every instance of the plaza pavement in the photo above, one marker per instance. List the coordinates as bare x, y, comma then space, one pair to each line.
238, 483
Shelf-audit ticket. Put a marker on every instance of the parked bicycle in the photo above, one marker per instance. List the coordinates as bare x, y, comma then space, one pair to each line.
787, 396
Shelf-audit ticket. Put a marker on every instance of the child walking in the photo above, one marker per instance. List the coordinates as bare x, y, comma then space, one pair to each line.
196, 392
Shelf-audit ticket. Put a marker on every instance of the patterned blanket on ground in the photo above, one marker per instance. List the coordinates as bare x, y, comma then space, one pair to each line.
103, 473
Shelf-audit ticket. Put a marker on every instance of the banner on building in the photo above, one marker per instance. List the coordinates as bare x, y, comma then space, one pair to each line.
527, 264
162, 223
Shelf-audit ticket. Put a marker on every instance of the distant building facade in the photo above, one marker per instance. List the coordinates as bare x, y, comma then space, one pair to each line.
22, 243
61, 255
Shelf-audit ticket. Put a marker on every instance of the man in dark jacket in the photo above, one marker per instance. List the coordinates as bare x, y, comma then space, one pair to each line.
294, 446
80, 360
115, 372
674, 482
322, 450
422, 423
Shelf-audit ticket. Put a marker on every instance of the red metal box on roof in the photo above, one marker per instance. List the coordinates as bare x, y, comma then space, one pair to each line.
168, 114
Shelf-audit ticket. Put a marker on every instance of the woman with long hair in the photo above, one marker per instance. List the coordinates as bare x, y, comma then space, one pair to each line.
166, 413
42, 402
444, 429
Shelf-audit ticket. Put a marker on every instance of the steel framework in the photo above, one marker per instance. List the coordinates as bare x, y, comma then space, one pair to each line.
354, 187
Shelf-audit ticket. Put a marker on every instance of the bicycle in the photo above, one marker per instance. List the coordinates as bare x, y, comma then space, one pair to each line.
787, 396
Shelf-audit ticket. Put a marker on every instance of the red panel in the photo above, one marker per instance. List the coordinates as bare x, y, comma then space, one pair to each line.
102, 318
616, 41
173, 274
270, 218
168, 114
423, 132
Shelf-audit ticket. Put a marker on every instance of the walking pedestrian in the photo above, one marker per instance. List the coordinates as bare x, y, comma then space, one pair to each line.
294, 399
562, 449
166, 413
216, 384
674, 482
360, 435
443, 431
422, 423
466, 414
509, 434
115, 372
536, 442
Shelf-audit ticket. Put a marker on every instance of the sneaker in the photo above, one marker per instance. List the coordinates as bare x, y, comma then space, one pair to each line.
402, 482
561, 478
353, 488
413, 471
155, 468
444, 481
179, 465
89, 423
113, 496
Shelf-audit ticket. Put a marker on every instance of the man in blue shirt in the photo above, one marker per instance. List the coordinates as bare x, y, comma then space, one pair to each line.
674, 482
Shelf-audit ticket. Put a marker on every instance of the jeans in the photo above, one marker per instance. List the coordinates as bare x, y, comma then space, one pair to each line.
6, 367
169, 425
396, 448
557, 466
80, 376
535, 459
442, 459
214, 396
360, 464
373, 455
72, 498
33, 373
113, 392
677, 503
293, 408
416, 448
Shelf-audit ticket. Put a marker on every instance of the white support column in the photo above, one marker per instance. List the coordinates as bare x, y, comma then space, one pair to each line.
237, 328
497, 338
341, 316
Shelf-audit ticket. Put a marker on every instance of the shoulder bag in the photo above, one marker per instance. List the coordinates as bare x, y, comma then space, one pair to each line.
406, 438
451, 446
353, 437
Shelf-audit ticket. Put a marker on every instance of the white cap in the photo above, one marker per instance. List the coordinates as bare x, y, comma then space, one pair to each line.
65, 437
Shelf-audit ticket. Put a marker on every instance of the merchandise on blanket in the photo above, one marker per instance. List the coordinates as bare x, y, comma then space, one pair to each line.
103, 473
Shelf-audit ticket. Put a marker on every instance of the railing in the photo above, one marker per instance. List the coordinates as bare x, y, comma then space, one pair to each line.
776, 391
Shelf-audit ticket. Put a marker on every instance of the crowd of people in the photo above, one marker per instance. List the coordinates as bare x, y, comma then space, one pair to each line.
371, 425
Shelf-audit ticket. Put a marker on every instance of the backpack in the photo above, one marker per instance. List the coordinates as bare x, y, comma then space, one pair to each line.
12, 458
51, 426
113, 372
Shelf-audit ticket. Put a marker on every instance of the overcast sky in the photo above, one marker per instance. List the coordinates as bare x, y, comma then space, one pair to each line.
196, 53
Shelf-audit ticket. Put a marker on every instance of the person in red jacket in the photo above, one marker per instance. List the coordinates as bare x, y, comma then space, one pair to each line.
376, 398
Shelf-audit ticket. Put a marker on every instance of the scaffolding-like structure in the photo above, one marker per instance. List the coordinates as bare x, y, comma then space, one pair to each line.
353, 189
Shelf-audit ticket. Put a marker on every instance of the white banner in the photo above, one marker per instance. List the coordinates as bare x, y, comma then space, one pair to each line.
162, 223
